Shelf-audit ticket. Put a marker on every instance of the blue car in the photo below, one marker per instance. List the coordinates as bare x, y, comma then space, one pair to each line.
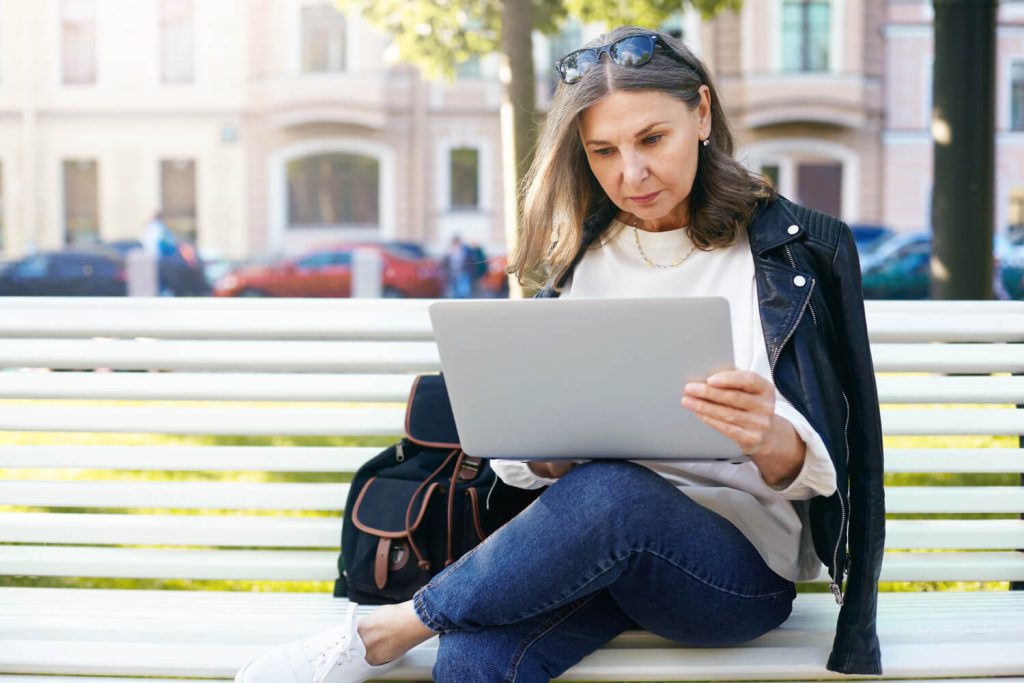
900, 268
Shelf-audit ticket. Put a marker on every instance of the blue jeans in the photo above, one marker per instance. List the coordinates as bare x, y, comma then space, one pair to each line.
611, 546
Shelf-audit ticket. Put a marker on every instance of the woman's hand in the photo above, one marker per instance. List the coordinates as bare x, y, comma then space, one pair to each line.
553, 469
741, 405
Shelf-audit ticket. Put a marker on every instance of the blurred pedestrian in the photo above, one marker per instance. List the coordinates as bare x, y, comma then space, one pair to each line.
459, 269
477, 267
159, 243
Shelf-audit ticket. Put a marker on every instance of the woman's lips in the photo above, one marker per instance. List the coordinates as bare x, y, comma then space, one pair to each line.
645, 198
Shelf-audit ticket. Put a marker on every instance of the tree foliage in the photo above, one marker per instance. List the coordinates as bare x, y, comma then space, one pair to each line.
437, 35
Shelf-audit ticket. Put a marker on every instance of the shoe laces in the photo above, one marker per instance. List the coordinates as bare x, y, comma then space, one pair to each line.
327, 651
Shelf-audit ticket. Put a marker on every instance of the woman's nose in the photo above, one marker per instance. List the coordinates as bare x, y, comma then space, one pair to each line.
634, 170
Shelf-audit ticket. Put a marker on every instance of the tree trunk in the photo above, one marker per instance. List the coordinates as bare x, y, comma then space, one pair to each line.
963, 131
518, 132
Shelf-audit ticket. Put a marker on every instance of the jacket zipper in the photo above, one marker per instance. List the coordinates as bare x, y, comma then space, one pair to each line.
837, 580
834, 587
803, 308
792, 262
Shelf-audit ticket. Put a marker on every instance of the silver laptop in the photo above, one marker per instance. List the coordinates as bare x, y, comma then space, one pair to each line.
550, 379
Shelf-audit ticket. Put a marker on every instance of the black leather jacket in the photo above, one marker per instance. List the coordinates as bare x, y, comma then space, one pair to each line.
812, 312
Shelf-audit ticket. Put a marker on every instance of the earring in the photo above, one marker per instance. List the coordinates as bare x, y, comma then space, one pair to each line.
707, 141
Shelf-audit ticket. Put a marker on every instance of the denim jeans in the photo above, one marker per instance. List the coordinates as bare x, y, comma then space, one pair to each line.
610, 546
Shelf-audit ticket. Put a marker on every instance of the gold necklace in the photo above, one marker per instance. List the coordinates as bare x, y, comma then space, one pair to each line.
648, 261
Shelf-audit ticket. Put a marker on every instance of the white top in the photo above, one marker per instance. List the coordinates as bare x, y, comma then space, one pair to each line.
766, 515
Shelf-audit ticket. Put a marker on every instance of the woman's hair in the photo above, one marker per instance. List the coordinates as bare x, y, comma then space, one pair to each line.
559, 191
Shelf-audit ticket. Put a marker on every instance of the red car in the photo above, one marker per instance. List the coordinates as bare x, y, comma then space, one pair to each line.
327, 272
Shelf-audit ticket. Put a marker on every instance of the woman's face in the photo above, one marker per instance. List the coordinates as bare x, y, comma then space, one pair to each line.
642, 148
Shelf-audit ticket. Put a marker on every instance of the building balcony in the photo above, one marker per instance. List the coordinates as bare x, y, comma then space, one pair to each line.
771, 99
363, 98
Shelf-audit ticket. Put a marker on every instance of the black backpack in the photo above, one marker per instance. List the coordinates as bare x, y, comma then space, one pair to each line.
419, 505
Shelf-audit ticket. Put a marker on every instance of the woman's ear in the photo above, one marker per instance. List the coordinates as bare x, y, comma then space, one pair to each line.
704, 110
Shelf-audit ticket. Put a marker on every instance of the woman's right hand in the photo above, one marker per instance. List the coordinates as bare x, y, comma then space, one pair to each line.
553, 469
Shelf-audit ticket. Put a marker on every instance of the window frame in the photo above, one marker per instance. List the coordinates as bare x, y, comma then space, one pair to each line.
344, 53
62, 47
65, 208
804, 35
343, 226
162, 46
464, 208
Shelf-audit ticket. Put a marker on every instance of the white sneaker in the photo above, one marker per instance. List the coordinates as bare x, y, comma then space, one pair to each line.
334, 656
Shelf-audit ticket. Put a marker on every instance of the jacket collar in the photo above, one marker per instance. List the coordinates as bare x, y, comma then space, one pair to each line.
773, 226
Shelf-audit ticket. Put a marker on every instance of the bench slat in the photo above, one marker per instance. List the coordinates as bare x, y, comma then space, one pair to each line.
196, 386
308, 532
310, 565
170, 563
380, 322
235, 318
190, 458
960, 460
325, 459
183, 530
953, 421
948, 358
390, 422
254, 356
972, 534
950, 389
182, 495
256, 421
280, 496
184, 386
954, 499
89, 628
401, 356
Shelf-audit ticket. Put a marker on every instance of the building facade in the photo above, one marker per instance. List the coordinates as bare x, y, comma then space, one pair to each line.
265, 127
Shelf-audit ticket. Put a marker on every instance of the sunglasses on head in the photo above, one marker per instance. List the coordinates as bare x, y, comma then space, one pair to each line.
629, 51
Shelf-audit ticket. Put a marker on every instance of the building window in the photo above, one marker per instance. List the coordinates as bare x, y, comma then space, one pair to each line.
1017, 95
464, 166
177, 60
469, 68
334, 190
178, 196
323, 39
78, 41
805, 35
81, 202
771, 174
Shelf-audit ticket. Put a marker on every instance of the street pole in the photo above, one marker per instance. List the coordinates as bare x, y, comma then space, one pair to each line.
963, 135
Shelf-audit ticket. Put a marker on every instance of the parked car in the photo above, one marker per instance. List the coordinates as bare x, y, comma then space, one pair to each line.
74, 272
181, 272
900, 268
327, 272
494, 283
869, 237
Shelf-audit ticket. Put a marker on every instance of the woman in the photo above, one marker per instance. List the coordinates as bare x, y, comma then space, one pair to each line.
634, 192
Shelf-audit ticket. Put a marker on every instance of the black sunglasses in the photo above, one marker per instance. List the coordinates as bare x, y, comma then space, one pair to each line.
629, 51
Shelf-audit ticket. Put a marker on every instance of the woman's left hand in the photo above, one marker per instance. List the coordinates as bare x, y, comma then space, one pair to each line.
741, 405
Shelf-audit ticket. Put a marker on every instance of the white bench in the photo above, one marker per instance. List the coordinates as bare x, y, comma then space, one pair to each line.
81, 511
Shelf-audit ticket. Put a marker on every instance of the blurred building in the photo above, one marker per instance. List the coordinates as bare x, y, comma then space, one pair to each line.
267, 126
258, 126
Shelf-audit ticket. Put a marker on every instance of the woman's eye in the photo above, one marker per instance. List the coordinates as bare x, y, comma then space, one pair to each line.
603, 152
651, 139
